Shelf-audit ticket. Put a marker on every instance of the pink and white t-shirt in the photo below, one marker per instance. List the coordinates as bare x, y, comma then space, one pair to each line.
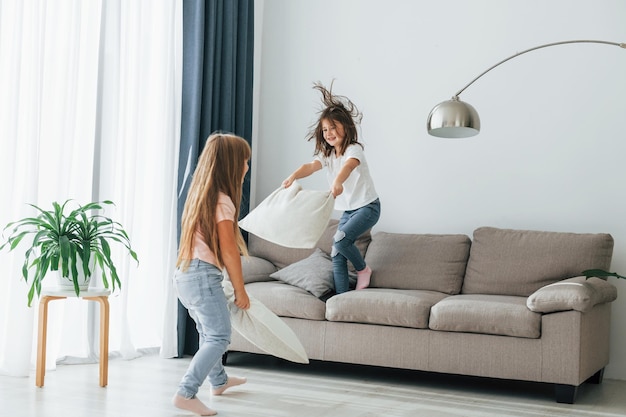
225, 211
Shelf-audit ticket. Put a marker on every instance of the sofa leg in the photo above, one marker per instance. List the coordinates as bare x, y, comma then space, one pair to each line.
597, 377
224, 358
565, 394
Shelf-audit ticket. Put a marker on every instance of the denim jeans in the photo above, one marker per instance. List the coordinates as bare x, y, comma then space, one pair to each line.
200, 290
352, 224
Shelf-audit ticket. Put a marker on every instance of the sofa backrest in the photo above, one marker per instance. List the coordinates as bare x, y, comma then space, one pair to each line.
282, 256
519, 262
418, 261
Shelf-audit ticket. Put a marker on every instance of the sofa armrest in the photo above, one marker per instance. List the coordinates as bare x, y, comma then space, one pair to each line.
576, 293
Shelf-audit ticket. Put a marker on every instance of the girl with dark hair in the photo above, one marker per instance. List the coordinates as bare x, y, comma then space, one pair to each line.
338, 149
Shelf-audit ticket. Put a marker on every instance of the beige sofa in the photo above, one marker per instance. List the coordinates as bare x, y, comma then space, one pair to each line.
506, 303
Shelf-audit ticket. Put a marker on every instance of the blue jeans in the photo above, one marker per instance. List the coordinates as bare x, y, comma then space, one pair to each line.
352, 224
200, 290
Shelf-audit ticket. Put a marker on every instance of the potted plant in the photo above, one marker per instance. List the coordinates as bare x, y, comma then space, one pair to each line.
600, 273
70, 243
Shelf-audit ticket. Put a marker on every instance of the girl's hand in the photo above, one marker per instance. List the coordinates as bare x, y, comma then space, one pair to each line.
344, 173
232, 262
241, 299
288, 181
336, 189
302, 172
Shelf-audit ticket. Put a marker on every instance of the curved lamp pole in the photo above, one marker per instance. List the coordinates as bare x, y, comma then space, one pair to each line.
457, 119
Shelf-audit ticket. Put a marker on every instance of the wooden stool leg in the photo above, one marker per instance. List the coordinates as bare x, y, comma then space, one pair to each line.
41, 341
104, 341
42, 334
104, 338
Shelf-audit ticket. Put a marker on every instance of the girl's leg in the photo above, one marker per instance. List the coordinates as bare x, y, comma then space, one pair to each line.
351, 225
200, 291
340, 273
193, 403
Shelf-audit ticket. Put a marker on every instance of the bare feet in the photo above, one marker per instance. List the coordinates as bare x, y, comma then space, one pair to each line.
192, 404
363, 278
233, 381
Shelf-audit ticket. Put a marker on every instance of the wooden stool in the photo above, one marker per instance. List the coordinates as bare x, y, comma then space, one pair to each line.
47, 295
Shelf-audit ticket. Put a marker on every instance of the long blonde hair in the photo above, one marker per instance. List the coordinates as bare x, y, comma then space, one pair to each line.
220, 168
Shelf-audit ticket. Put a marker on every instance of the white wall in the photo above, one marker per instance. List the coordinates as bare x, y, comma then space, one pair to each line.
554, 132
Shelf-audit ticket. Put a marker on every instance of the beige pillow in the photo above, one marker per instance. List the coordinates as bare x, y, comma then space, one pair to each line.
576, 293
519, 262
256, 269
418, 261
291, 217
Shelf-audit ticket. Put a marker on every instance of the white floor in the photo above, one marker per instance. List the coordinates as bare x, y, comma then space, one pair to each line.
275, 388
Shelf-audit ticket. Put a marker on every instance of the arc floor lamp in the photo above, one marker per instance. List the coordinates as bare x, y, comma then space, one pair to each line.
457, 119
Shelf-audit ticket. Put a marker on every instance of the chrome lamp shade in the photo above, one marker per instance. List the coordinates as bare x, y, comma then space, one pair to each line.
453, 119
457, 119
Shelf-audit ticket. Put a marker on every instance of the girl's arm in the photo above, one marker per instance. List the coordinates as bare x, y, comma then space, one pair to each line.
344, 173
304, 171
232, 262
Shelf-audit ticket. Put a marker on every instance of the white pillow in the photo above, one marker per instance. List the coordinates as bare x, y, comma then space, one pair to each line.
291, 217
264, 329
576, 293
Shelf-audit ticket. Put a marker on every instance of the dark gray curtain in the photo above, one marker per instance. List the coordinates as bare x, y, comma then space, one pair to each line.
218, 38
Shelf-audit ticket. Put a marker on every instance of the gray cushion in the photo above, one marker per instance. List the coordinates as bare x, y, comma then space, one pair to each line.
418, 261
286, 300
404, 308
575, 293
256, 269
490, 314
313, 274
519, 262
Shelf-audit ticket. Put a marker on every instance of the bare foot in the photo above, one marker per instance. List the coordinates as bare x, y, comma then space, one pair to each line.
363, 278
192, 404
233, 381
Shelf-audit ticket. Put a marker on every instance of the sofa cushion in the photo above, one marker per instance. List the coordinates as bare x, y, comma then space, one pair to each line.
403, 308
313, 274
256, 269
490, 314
519, 262
286, 300
418, 261
575, 293
282, 256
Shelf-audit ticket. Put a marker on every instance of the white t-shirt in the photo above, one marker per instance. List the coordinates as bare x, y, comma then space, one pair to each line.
358, 188
225, 211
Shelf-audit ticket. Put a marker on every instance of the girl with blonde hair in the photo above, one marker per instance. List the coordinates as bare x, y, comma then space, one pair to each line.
211, 241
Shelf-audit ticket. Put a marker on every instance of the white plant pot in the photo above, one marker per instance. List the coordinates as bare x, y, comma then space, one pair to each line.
66, 283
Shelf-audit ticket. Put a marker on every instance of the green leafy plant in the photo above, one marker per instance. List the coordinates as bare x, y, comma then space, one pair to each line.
68, 243
600, 273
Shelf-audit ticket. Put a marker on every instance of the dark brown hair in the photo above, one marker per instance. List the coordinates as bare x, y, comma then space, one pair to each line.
337, 109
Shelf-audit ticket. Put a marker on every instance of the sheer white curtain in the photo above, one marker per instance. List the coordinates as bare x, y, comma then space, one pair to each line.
90, 110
